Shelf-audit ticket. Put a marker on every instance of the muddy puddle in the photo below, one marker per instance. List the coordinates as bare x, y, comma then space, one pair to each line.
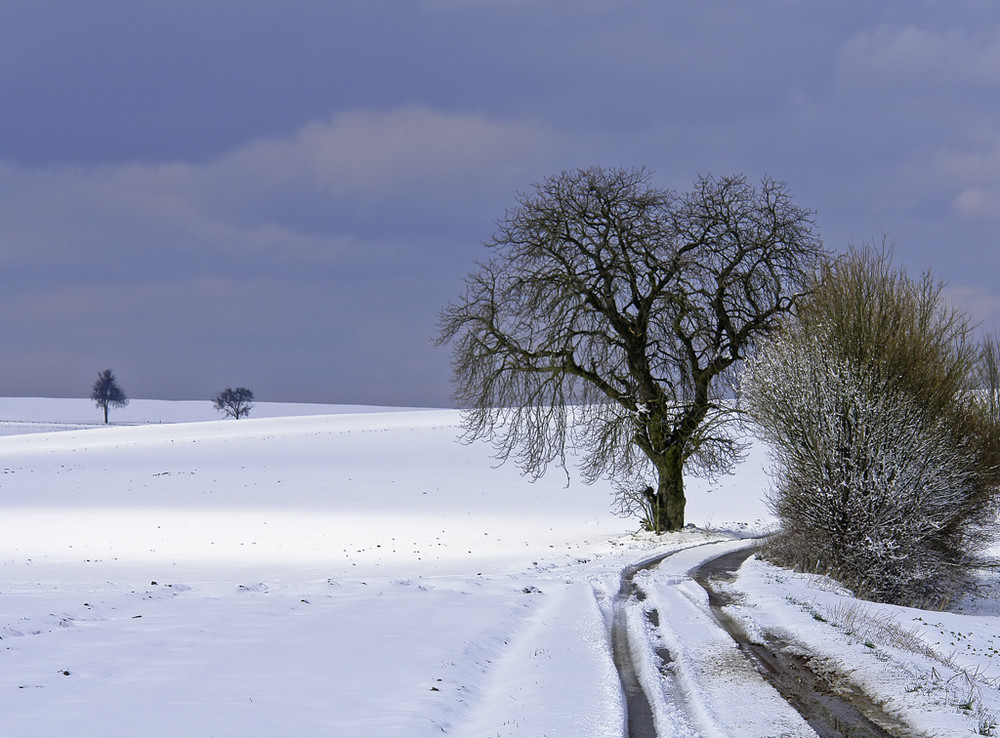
640, 715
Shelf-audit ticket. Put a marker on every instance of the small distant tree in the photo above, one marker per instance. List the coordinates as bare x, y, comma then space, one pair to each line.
106, 393
235, 403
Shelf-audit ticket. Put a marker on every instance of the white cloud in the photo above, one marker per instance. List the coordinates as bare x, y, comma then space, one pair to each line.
380, 152
919, 57
965, 174
976, 173
982, 304
266, 196
978, 202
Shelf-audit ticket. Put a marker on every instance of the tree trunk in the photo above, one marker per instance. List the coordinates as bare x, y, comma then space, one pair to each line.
668, 505
105, 413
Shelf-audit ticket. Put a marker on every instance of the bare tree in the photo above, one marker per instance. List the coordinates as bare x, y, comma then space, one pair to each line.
235, 403
106, 393
611, 318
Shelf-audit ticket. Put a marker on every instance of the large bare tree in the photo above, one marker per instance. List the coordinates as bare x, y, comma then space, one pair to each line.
611, 316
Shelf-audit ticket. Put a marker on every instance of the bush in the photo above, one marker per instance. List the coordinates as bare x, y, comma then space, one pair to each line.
885, 456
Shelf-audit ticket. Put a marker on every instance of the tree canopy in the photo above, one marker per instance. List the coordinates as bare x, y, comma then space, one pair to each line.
610, 319
107, 393
235, 403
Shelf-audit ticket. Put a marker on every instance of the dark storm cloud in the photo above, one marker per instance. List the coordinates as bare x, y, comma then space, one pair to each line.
283, 196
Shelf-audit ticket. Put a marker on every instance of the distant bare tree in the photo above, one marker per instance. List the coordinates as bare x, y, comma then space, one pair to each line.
235, 403
611, 318
106, 393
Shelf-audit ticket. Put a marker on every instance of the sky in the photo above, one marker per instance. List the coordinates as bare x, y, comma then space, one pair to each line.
204, 194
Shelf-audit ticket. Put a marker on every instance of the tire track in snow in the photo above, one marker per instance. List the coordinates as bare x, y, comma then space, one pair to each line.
694, 680
639, 713
555, 675
682, 698
628, 657
832, 710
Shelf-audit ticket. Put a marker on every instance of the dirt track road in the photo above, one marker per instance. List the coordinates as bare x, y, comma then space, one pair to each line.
685, 694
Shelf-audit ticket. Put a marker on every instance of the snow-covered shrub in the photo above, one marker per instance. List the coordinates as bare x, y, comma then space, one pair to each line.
865, 485
885, 462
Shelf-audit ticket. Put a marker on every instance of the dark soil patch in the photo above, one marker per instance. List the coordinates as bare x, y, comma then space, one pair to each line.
833, 710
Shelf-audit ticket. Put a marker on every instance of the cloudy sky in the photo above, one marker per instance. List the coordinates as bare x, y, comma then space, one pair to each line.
282, 195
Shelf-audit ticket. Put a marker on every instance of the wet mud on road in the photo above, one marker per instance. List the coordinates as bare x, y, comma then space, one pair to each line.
831, 710
640, 722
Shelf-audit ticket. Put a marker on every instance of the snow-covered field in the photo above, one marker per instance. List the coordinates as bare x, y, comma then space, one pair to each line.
344, 571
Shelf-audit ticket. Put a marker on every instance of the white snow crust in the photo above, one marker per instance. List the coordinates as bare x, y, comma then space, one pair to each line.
348, 571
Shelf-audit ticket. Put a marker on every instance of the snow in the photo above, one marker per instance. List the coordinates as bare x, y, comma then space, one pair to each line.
715, 679
936, 670
19, 415
347, 571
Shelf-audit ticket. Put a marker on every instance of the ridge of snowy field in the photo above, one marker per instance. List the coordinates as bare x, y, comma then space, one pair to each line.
346, 571
45, 414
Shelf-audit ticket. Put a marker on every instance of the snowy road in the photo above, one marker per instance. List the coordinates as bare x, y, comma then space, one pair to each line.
689, 669
694, 676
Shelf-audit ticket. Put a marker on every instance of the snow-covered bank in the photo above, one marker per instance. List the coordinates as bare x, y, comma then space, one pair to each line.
939, 671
